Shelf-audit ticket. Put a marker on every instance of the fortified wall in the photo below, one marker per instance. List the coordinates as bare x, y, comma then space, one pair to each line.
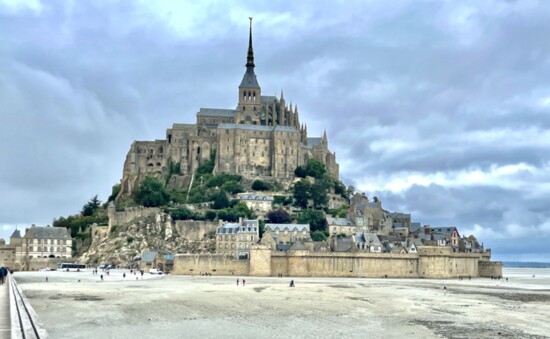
129, 214
430, 262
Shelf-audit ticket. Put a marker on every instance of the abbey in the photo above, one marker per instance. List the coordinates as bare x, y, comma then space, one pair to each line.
261, 137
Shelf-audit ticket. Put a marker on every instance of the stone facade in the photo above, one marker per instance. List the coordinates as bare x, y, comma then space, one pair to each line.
430, 262
261, 137
236, 239
259, 203
40, 247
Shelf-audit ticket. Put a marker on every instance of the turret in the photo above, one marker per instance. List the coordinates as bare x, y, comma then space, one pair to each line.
282, 109
324, 139
296, 117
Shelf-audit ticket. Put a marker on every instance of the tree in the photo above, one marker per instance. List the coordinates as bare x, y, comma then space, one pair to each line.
300, 172
182, 214
221, 201
91, 206
259, 185
318, 236
114, 192
243, 211
315, 219
210, 215
232, 187
151, 193
222, 215
315, 168
278, 216
302, 193
319, 194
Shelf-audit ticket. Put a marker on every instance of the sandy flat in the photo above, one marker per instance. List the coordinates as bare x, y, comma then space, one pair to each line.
215, 307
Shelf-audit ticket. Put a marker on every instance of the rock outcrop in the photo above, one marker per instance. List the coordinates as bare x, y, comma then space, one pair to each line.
124, 243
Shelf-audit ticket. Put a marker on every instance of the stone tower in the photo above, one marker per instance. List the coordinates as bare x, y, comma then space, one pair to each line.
249, 91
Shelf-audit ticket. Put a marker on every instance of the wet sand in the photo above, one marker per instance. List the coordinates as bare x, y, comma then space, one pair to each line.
215, 307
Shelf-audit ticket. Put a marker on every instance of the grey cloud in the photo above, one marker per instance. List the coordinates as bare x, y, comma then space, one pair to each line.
78, 85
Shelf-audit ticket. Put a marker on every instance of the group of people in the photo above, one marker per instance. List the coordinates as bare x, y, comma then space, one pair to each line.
244, 283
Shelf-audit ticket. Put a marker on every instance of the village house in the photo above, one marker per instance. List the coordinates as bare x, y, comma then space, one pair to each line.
342, 226
282, 236
368, 242
235, 239
259, 203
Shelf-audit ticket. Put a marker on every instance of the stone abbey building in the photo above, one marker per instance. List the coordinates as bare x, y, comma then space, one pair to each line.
262, 137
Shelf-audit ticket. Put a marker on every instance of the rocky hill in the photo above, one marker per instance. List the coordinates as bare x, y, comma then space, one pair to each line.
123, 244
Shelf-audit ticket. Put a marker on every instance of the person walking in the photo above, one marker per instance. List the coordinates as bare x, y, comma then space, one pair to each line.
237, 281
244, 282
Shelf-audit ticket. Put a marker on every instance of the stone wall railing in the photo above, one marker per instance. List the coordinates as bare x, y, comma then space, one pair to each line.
24, 320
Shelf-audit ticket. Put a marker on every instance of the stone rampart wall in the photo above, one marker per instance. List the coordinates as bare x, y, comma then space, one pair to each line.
490, 269
196, 264
194, 230
435, 263
131, 213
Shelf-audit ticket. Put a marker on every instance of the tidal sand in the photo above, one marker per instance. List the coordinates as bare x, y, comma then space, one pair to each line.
215, 307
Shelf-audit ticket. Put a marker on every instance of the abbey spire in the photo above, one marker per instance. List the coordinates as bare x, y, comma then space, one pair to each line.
250, 56
249, 90
249, 79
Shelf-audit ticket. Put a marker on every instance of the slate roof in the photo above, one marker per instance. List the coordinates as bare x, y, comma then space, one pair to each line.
268, 98
249, 79
261, 128
339, 221
228, 228
313, 141
343, 244
290, 227
216, 112
297, 246
250, 223
148, 256
372, 239
244, 196
16, 234
444, 230
282, 247
415, 226
36, 232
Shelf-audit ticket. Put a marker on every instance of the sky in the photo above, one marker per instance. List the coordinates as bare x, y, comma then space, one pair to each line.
441, 109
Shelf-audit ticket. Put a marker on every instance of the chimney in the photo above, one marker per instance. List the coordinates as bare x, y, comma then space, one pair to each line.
240, 220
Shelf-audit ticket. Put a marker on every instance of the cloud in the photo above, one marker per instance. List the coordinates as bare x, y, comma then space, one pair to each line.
439, 108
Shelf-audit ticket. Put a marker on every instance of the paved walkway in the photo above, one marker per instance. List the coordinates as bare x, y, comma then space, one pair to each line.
4, 311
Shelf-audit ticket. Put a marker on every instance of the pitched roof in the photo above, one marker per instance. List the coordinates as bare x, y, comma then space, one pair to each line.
297, 246
216, 112
148, 256
344, 244
414, 226
249, 79
36, 232
16, 234
251, 196
268, 98
313, 141
228, 228
339, 221
290, 227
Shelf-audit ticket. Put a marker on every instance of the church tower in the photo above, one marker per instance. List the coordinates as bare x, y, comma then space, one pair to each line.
249, 90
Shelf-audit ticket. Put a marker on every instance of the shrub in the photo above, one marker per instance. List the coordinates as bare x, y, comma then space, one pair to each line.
259, 185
